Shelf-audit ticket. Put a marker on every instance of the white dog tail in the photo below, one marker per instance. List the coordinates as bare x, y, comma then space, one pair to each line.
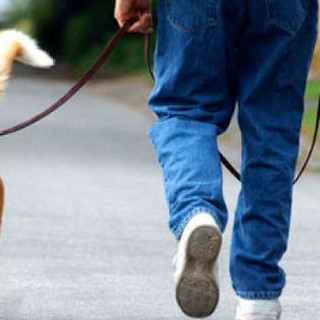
15, 45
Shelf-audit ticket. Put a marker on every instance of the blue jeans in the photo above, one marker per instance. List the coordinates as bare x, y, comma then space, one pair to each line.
210, 55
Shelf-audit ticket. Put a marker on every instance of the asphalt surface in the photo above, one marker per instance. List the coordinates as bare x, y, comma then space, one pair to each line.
85, 227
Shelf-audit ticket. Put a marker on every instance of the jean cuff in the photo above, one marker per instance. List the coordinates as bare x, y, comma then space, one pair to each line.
179, 230
259, 295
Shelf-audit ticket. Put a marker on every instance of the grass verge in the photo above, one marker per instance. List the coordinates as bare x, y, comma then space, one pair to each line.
309, 117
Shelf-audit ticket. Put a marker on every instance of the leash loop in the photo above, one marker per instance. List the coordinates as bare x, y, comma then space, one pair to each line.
118, 36
313, 144
224, 160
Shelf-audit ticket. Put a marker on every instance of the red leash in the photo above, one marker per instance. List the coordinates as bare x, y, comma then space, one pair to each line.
119, 35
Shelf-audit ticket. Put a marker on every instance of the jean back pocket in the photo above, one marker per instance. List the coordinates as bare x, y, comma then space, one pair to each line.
192, 15
287, 15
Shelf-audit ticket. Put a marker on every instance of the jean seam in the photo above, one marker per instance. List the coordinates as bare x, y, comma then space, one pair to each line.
284, 25
212, 21
254, 295
179, 230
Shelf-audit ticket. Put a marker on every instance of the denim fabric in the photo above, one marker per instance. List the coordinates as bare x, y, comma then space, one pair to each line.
210, 55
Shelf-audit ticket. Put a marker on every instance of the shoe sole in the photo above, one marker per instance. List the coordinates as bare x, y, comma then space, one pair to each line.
197, 291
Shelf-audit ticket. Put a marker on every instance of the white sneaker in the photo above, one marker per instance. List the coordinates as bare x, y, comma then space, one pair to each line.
258, 309
196, 285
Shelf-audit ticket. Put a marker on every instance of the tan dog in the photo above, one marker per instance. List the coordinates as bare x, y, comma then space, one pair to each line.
15, 45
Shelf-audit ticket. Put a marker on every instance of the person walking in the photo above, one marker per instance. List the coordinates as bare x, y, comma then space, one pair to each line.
212, 55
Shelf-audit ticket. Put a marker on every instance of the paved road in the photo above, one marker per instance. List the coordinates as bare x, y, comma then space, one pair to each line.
85, 232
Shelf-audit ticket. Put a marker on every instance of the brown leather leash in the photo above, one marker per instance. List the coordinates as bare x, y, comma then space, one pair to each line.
223, 159
118, 36
237, 175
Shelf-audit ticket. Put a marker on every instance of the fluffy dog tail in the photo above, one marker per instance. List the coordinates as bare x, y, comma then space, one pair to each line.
15, 45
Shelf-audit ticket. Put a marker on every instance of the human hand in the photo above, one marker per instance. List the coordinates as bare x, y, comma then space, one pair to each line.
140, 9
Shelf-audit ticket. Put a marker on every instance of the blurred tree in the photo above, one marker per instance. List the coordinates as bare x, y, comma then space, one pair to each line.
76, 30
52, 20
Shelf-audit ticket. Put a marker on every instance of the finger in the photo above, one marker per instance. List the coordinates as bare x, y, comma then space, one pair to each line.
117, 14
122, 20
141, 29
124, 11
144, 25
147, 21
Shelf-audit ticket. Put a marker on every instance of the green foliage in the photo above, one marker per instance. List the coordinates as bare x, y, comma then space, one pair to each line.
309, 119
311, 97
313, 90
76, 31
128, 56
